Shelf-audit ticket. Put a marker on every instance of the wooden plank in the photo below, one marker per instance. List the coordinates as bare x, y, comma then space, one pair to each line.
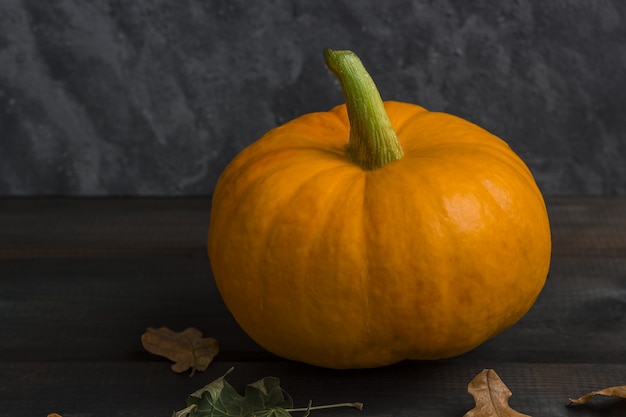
588, 226
422, 389
87, 228
97, 309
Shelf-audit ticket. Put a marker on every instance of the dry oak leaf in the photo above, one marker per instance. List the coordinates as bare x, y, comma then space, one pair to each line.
188, 349
619, 392
491, 396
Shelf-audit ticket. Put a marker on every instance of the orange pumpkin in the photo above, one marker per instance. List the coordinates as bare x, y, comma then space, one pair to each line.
422, 238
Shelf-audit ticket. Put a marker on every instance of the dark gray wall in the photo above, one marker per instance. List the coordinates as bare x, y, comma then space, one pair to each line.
133, 97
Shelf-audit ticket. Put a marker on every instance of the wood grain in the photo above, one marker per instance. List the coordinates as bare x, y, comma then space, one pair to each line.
121, 389
103, 228
81, 279
588, 226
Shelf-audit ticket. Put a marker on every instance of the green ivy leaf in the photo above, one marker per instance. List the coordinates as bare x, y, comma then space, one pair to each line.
265, 394
263, 398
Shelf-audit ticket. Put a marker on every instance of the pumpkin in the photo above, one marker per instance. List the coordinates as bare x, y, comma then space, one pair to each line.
377, 232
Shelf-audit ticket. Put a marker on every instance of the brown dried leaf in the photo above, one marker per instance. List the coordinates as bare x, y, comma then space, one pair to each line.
619, 392
491, 396
188, 349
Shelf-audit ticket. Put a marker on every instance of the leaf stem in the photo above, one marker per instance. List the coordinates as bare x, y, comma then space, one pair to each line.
186, 411
357, 405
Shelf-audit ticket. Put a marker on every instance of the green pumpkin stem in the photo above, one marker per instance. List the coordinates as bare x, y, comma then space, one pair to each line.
373, 142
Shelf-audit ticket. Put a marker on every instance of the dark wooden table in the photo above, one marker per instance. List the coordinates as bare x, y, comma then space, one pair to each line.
81, 279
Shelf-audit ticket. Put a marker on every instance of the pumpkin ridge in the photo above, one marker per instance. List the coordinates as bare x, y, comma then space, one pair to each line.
292, 203
299, 287
510, 159
365, 276
294, 135
418, 134
396, 111
490, 202
274, 161
383, 339
504, 154
250, 195
302, 183
340, 112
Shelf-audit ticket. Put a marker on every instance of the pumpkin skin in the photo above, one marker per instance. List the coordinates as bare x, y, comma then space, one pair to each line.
323, 262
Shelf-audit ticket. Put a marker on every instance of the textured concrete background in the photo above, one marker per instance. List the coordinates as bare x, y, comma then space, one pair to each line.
120, 97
